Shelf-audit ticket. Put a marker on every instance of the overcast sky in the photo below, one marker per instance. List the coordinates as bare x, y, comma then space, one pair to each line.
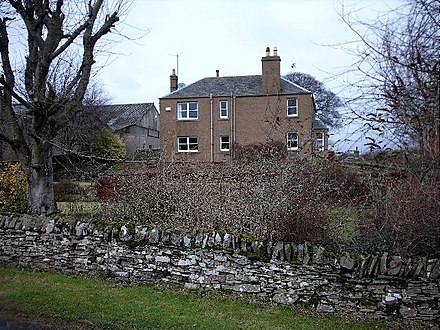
228, 35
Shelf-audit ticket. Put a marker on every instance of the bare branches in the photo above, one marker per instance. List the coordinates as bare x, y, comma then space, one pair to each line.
61, 45
399, 74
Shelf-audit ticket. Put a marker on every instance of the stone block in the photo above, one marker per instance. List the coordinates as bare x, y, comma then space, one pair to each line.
383, 263
256, 246
324, 307
79, 228
347, 262
318, 255
162, 259
154, 236
435, 273
191, 286
165, 237
227, 241
218, 240
176, 238
285, 299
394, 266
188, 240
140, 233
278, 251
247, 288
124, 234
50, 226
288, 251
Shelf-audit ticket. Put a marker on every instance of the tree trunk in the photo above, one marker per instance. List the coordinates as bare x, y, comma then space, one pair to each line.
39, 174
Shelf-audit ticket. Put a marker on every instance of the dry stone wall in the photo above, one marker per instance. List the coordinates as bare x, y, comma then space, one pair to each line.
378, 286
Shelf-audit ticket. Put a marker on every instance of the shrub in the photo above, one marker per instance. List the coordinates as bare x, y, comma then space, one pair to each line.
406, 215
13, 189
109, 145
107, 187
68, 191
265, 198
254, 152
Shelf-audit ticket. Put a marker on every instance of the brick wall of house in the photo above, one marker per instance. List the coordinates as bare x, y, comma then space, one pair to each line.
260, 119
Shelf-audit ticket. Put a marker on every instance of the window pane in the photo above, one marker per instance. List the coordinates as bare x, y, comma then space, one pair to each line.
192, 114
182, 106
224, 143
291, 102
193, 106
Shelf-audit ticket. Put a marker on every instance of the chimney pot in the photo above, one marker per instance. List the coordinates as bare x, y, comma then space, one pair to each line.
267, 51
173, 72
275, 51
217, 73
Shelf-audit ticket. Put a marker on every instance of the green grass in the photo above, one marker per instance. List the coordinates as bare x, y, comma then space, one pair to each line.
100, 303
78, 208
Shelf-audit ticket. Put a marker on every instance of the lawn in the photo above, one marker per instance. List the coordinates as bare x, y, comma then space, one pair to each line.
103, 304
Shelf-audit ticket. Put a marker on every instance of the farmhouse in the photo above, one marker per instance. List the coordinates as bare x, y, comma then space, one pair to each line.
209, 119
138, 124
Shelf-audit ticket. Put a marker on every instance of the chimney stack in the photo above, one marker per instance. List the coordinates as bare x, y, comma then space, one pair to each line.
173, 81
271, 78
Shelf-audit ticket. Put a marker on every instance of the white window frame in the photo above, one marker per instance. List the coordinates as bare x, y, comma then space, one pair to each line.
292, 110
292, 137
320, 138
224, 109
184, 114
185, 141
222, 143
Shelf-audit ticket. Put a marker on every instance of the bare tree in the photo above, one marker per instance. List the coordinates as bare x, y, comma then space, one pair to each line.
398, 72
327, 102
62, 39
85, 123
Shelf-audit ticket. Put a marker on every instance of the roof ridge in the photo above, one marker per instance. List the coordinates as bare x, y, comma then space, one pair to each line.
296, 85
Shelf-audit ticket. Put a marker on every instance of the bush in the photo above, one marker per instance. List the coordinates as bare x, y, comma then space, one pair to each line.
265, 198
68, 191
406, 215
109, 145
253, 152
107, 187
13, 189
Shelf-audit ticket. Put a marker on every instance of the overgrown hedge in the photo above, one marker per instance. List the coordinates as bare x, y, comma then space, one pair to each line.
13, 189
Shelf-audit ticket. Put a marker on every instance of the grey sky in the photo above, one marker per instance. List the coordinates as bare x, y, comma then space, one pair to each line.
230, 36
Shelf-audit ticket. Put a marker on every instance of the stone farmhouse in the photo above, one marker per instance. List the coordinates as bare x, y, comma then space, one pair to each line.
138, 124
207, 120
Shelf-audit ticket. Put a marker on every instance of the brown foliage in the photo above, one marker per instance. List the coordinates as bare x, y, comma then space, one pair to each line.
408, 214
286, 200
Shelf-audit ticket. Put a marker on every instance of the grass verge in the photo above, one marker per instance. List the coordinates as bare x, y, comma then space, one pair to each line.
102, 304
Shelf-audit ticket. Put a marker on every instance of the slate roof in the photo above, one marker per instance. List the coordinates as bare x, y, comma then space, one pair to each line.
115, 116
318, 124
118, 116
237, 85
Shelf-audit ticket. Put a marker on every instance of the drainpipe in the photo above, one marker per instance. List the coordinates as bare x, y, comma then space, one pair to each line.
231, 133
235, 125
212, 129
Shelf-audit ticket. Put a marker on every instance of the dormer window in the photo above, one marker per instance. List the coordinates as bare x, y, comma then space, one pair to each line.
223, 109
187, 111
292, 107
